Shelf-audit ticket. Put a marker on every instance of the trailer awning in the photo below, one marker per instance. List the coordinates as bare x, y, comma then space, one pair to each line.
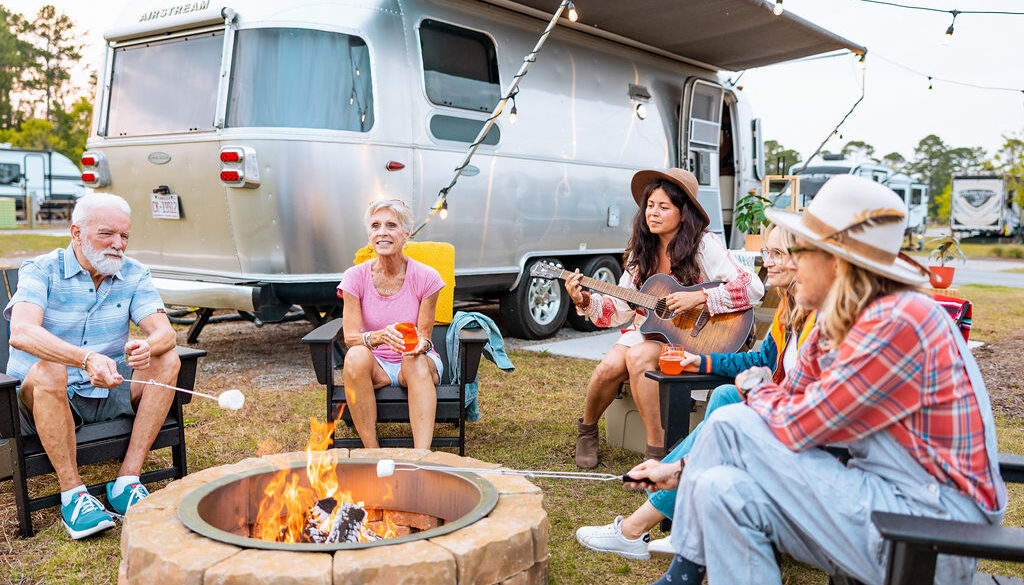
725, 34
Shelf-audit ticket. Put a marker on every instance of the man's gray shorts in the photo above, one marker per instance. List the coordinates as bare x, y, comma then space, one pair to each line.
89, 410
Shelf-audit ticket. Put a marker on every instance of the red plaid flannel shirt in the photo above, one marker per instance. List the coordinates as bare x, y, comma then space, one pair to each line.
899, 369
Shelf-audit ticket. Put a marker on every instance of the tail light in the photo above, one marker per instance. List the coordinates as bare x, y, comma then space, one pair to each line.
238, 167
95, 172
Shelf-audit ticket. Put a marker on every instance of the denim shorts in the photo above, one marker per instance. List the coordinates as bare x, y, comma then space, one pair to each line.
392, 368
84, 410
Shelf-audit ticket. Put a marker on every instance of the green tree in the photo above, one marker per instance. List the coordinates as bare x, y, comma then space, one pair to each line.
16, 58
57, 51
35, 133
71, 129
895, 160
778, 159
942, 202
1009, 161
859, 149
935, 163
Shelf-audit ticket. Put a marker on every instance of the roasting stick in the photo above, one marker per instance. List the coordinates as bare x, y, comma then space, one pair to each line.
387, 467
232, 399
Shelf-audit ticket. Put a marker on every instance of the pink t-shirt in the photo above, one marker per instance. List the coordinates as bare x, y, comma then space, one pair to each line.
379, 311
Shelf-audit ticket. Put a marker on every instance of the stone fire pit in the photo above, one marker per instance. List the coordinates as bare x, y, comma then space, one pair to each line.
508, 547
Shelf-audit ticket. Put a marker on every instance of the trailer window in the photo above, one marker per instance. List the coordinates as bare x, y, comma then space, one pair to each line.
460, 67
164, 87
300, 78
9, 173
916, 196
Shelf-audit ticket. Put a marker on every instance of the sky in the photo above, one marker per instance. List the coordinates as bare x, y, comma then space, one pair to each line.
799, 103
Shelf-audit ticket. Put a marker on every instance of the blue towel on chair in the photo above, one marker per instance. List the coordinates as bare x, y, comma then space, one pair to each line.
494, 350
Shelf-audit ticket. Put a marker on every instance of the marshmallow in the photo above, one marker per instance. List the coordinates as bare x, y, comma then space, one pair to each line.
232, 399
385, 467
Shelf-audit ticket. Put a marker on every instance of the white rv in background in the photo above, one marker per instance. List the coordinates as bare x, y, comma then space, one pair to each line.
981, 206
914, 194
258, 132
49, 177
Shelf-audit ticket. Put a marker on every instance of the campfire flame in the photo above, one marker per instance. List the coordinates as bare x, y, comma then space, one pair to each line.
285, 508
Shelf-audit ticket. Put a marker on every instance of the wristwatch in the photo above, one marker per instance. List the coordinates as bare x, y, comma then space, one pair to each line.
758, 376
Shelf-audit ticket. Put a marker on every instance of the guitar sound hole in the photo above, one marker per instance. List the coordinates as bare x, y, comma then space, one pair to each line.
661, 309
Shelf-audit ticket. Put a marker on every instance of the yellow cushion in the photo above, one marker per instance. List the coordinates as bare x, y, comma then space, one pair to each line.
438, 255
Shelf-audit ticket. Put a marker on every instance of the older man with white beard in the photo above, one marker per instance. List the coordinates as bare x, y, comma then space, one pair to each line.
70, 347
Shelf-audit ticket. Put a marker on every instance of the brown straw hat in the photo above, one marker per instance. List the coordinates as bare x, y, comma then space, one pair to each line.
681, 178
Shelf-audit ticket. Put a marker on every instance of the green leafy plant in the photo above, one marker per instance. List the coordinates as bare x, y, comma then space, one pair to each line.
748, 216
945, 249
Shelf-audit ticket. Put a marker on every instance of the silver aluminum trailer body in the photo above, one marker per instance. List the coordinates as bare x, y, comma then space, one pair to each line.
323, 98
980, 206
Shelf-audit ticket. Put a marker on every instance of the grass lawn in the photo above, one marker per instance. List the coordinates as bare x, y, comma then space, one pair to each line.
977, 251
31, 242
528, 423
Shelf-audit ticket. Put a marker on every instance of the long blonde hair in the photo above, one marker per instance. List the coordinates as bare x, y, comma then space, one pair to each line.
854, 289
792, 315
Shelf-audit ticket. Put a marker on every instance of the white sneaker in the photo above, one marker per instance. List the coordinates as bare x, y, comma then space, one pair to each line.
609, 538
661, 548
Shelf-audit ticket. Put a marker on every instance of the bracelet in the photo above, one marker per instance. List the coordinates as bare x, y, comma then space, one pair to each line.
430, 346
586, 300
366, 340
85, 360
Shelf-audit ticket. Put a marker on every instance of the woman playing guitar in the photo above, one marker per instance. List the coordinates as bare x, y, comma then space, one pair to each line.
670, 236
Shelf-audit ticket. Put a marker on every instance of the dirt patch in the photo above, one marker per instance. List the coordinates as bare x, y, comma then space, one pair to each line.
1001, 364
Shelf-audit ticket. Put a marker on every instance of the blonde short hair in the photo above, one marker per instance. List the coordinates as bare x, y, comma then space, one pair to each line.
396, 206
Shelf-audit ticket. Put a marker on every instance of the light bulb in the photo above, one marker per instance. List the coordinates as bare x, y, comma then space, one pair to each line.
573, 15
929, 83
513, 115
778, 8
444, 210
862, 62
948, 36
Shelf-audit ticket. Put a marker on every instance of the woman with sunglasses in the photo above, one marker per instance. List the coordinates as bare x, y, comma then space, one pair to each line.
629, 536
379, 294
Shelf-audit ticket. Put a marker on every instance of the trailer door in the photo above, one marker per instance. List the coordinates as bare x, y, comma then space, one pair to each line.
700, 131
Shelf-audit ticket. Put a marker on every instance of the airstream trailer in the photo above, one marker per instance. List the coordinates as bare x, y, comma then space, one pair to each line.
913, 193
249, 138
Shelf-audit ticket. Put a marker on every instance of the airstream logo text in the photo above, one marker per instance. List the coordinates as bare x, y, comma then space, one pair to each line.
175, 10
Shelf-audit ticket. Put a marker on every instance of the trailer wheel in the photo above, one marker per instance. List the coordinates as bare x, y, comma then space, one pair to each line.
536, 308
603, 268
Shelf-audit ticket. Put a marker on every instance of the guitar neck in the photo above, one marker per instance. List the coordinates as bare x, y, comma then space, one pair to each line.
627, 294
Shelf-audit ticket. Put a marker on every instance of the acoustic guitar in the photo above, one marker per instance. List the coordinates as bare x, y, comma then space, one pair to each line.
695, 329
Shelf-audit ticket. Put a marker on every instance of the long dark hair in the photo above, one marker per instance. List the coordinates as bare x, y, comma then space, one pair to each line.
641, 256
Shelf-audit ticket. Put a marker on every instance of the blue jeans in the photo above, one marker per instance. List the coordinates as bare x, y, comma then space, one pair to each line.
665, 500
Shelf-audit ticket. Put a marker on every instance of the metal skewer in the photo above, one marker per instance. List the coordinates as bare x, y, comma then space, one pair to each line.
232, 399
387, 467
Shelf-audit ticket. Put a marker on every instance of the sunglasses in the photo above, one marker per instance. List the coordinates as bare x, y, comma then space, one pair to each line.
793, 251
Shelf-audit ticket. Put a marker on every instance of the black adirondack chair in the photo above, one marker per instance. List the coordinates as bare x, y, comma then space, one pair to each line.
22, 456
393, 401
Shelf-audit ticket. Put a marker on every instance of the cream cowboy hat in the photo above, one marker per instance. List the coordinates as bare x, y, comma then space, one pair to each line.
681, 178
860, 221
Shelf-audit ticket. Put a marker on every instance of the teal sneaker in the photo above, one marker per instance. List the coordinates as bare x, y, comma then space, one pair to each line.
131, 495
85, 515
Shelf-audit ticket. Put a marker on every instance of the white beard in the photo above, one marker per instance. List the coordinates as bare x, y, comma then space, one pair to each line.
104, 265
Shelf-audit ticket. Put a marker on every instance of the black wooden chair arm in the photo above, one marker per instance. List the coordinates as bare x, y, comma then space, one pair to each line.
8, 406
472, 342
968, 539
321, 349
187, 373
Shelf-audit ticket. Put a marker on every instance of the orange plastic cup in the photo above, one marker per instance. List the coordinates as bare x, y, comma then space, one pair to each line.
671, 360
409, 335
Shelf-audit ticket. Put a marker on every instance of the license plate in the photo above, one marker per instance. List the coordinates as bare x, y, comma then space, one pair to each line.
165, 206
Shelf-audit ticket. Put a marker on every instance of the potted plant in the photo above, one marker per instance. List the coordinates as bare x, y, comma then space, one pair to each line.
748, 217
944, 249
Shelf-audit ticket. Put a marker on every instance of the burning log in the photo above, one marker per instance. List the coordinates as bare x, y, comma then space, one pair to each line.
329, 521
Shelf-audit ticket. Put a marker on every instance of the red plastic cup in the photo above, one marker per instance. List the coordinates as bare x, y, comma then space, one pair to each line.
409, 335
671, 360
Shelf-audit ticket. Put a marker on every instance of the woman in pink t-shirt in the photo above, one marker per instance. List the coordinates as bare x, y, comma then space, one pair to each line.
380, 293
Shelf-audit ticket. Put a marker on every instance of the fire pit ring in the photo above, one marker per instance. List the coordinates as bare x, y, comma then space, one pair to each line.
226, 508
507, 546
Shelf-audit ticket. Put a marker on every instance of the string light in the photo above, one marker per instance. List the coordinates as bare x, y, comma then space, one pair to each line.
949, 31
573, 15
861, 62
444, 210
777, 11
930, 83
513, 114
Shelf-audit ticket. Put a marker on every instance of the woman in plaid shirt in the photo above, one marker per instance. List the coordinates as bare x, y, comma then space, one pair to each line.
885, 372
